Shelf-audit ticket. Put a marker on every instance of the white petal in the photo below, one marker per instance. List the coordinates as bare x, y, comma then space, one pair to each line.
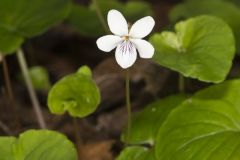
117, 23
126, 54
145, 49
108, 43
142, 27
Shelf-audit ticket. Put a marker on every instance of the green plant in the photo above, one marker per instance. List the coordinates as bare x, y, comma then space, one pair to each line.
202, 126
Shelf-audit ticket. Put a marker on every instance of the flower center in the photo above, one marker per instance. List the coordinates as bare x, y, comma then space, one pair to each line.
126, 38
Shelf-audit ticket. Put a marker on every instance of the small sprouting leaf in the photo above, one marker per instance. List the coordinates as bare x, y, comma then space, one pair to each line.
229, 12
76, 93
85, 70
147, 122
202, 48
27, 18
39, 77
37, 145
136, 153
206, 126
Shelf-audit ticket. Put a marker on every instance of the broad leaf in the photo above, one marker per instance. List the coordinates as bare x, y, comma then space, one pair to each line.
6, 146
9, 41
21, 19
37, 145
85, 21
202, 48
219, 8
136, 153
146, 123
204, 127
76, 93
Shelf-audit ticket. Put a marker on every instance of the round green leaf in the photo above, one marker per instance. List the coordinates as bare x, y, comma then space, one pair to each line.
37, 145
77, 94
136, 153
202, 48
229, 12
26, 18
39, 77
204, 127
146, 123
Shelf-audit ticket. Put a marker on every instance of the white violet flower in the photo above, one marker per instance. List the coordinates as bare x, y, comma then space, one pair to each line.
127, 41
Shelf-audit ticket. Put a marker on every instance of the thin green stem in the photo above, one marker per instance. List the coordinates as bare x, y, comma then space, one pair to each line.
77, 136
32, 93
100, 16
128, 104
181, 84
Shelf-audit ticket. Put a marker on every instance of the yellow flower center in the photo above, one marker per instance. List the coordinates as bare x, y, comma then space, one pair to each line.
126, 38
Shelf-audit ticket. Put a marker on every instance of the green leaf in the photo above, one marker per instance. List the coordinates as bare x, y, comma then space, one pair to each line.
202, 48
27, 18
37, 145
146, 123
40, 78
85, 70
204, 127
137, 9
136, 153
9, 41
219, 8
6, 145
106, 5
85, 21
76, 93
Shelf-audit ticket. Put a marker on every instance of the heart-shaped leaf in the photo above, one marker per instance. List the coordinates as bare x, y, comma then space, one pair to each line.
146, 123
204, 127
76, 93
27, 18
37, 145
202, 48
229, 12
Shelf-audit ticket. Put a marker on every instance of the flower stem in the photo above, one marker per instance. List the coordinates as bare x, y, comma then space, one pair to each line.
181, 84
100, 16
128, 104
77, 136
33, 96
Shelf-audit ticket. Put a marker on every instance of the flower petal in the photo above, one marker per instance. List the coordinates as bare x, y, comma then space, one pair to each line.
117, 23
126, 54
142, 27
145, 49
108, 43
